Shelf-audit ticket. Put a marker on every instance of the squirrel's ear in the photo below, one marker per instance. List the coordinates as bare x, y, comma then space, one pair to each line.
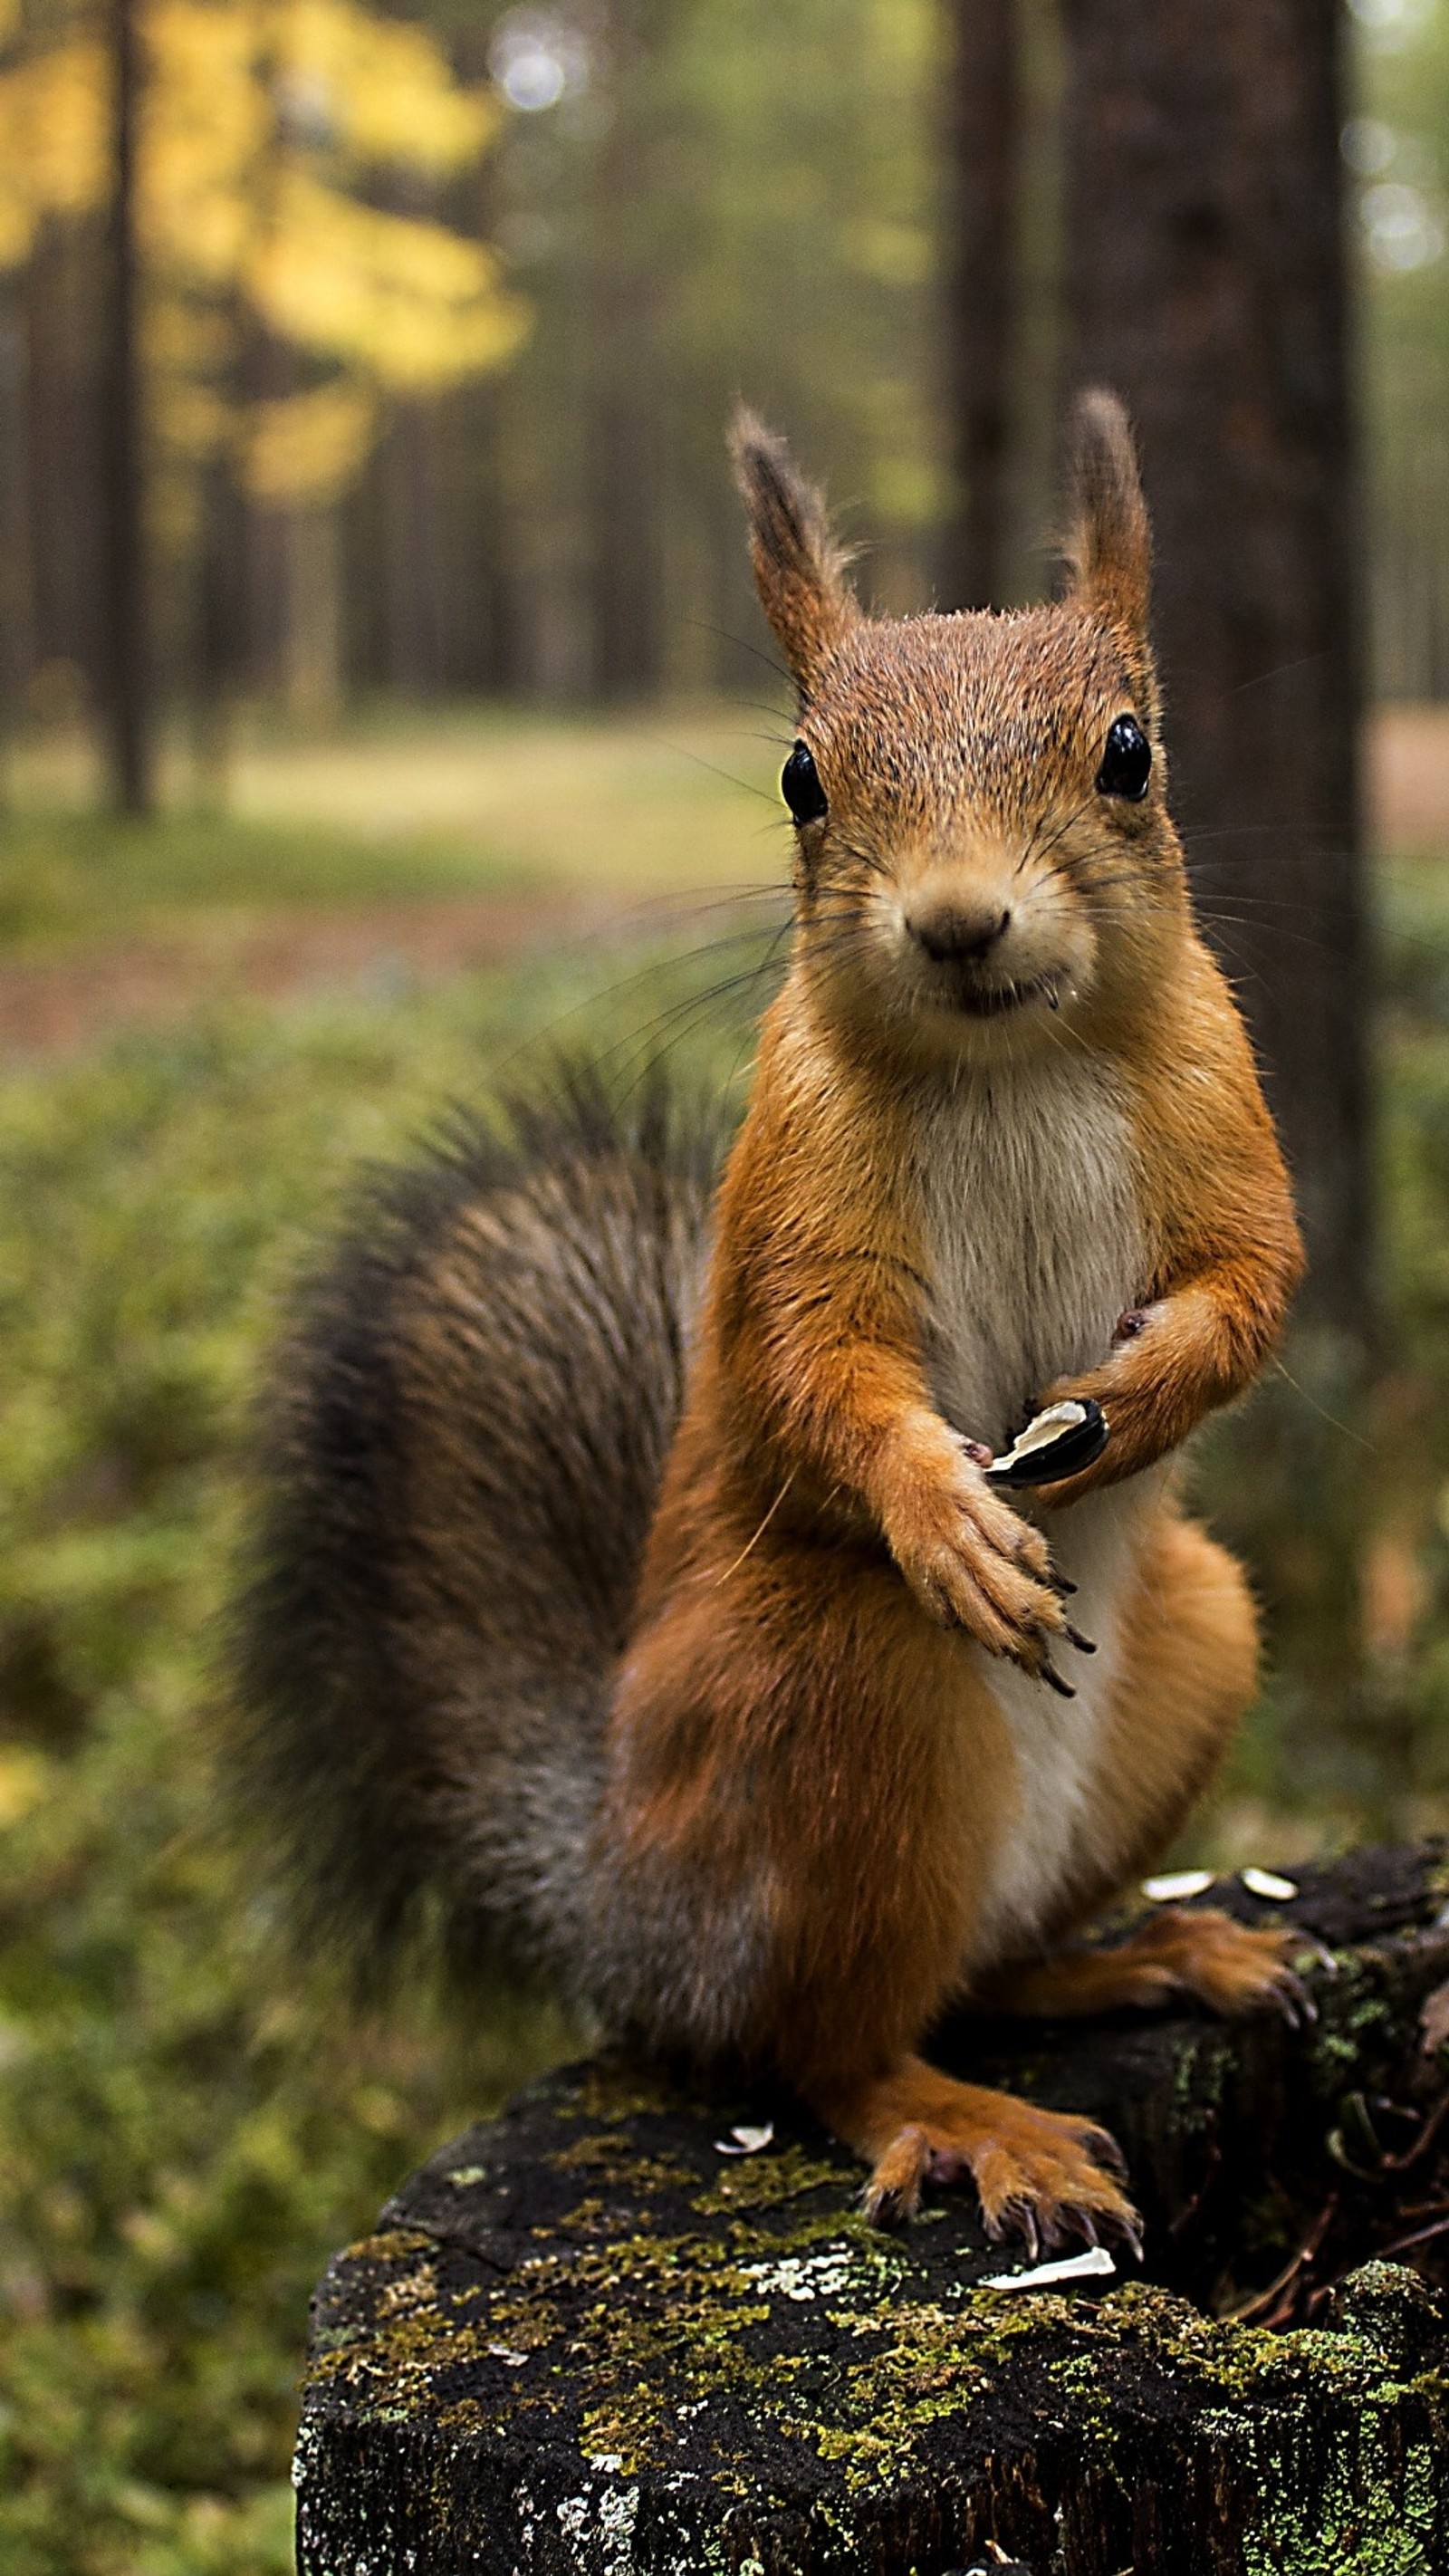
1109, 541
799, 564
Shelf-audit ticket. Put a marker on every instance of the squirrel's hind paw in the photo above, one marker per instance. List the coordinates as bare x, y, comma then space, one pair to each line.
892, 2197
1229, 1966
1041, 2175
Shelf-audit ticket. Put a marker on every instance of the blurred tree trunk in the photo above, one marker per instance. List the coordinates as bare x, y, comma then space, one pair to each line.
126, 657
624, 494
479, 589
312, 642
414, 549
15, 602
1206, 281
624, 508
485, 619
220, 639
983, 149
64, 407
499, 663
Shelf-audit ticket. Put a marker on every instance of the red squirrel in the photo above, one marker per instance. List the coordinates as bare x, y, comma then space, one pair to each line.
636, 1593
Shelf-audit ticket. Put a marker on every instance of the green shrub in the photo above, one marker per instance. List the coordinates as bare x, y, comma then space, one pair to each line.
185, 2135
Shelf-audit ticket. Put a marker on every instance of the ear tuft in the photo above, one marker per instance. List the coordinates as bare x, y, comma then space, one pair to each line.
799, 563
1109, 547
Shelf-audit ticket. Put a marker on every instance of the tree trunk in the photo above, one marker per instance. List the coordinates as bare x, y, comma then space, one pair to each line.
484, 620
1206, 282
311, 673
587, 2337
625, 476
413, 551
497, 656
15, 603
983, 146
624, 494
127, 671
220, 621
61, 454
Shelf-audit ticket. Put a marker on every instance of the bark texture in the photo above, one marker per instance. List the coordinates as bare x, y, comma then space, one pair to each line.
1206, 282
584, 2338
983, 150
128, 694
627, 395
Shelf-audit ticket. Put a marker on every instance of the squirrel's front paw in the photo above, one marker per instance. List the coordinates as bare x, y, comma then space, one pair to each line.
974, 1563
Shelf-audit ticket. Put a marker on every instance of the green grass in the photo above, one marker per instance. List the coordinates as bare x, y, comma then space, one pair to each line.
82, 878
184, 2134
470, 805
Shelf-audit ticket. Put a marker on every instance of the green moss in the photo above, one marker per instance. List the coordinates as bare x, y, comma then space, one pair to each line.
187, 2132
611, 2092
612, 2161
768, 2181
651, 2328
1363, 2520
650, 2331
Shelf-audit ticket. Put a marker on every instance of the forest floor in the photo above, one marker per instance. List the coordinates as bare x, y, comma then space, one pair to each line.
212, 1023
404, 850
392, 855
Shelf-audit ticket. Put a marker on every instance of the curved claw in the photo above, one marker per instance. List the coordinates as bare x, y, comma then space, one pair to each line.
1103, 2147
1293, 2000
892, 2206
1017, 2217
1049, 2230
1131, 2235
1046, 1671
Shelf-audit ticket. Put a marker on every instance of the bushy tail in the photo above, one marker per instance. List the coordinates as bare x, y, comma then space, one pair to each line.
463, 1451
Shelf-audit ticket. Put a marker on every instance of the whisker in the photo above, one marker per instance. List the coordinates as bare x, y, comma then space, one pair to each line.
682, 752
672, 907
873, 864
703, 626
1303, 662
633, 1054
1046, 848
672, 961
1222, 922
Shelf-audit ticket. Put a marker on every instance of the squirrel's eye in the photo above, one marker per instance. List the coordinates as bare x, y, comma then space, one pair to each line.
801, 788
1126, 762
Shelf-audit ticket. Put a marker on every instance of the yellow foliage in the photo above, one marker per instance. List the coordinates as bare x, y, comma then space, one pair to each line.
193, 418
208, 125
416, 306
53, 145
387, 91
309, 447
256, 115
186, 337
24, 1780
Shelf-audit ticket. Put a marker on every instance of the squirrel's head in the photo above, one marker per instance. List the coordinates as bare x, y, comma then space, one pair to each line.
984, 858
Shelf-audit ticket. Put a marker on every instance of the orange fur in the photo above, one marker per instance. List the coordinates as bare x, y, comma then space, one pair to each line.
1041, 2172
1207, 1955
807, 1739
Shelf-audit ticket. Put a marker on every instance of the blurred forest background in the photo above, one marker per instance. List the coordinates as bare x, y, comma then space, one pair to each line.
382, 700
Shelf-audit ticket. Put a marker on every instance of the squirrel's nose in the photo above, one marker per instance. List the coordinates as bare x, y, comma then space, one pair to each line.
957, 931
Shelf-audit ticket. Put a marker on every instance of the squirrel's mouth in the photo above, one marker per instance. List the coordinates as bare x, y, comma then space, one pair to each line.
993, 1001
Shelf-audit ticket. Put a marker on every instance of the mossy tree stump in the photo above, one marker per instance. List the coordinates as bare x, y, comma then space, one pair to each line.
583, 2338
